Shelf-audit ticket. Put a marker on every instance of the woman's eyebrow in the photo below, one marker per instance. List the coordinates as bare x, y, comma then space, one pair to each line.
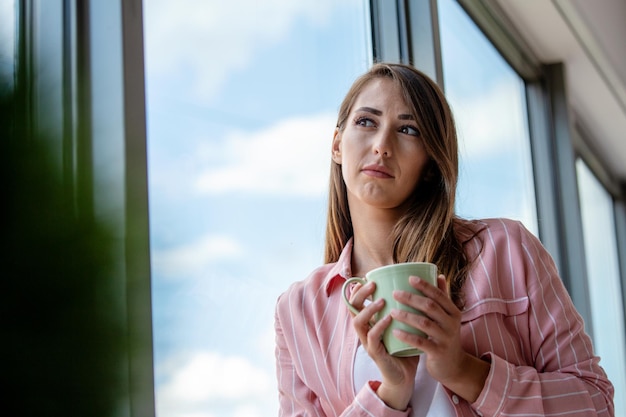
379, 113
370, 110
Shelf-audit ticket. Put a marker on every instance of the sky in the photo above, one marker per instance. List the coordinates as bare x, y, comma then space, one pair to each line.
242, 99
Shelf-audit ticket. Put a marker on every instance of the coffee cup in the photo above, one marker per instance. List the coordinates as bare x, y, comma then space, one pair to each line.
388, 279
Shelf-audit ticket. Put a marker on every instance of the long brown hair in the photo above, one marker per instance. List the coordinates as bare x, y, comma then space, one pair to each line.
426, 232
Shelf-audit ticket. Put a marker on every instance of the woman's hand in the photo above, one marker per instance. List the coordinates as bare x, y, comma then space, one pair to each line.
398, 374
446, 361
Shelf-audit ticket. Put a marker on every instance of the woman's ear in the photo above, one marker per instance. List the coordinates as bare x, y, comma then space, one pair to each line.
336, 149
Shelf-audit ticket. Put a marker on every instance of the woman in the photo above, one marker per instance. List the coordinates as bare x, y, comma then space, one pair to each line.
503, 334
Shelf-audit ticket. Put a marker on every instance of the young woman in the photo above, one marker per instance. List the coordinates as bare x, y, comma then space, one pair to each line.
503, 335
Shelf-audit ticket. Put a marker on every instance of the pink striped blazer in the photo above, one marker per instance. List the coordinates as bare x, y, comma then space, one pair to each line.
517, 315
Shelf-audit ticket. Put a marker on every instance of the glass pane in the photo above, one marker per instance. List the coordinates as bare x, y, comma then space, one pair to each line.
241, 94
488, 100
605, 291
7, 42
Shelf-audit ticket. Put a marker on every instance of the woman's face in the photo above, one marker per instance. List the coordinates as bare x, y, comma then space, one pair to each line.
380, 149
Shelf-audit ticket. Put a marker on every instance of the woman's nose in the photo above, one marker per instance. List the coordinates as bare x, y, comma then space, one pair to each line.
383, 143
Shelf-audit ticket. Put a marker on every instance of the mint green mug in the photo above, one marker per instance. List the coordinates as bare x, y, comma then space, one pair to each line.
388, 279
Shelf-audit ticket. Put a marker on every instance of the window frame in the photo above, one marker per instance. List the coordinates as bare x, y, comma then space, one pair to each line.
60, 60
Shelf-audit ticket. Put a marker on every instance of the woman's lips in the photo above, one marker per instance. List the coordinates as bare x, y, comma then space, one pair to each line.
378, 171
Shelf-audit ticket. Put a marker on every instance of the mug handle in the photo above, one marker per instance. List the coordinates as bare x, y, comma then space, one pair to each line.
349, 281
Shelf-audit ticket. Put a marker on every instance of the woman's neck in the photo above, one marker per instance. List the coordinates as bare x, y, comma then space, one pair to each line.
373, 242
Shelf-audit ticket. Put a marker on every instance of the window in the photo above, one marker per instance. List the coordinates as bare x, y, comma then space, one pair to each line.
487, 98
241, 112
605, 292
7, 41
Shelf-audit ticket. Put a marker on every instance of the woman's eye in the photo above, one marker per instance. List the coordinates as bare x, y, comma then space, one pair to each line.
410, 130
365, 122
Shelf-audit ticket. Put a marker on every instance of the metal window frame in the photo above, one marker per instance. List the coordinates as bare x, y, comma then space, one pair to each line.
620, 225
566, 218
407, 32
618, 193
91, 91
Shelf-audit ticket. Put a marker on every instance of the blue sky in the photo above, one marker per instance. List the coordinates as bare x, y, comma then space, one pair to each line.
240, 118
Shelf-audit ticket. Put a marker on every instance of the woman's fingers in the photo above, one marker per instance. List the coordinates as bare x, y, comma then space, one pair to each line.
375, 334
364, 320
370, 332
360, 293
435, 293
440, 319
434, 302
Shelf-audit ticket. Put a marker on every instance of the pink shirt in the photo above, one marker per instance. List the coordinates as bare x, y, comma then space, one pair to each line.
517, 315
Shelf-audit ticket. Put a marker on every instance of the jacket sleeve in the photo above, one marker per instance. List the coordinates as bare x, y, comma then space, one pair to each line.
566, 378
296, 398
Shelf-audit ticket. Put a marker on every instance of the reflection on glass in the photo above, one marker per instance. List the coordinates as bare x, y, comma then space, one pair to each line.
7, 41
604, 280
487, 97
242, 100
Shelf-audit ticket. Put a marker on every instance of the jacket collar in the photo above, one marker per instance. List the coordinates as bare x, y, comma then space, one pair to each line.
341, 270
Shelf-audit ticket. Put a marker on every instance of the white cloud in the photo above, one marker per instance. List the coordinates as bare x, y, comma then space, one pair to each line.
209, 39
291, 157
492, 128
207, 384
193, 258
491, 122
